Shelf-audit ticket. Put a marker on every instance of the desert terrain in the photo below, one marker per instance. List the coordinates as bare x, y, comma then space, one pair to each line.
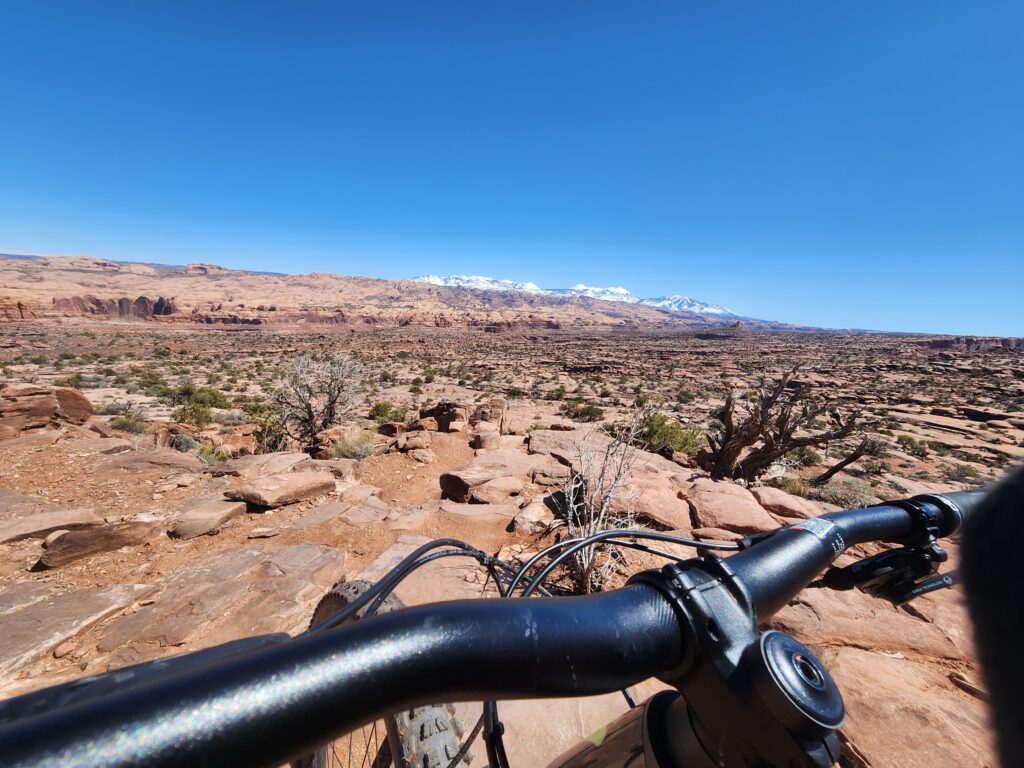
150, 503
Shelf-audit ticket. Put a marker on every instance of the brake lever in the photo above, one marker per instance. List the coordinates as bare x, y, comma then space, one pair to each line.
898, 575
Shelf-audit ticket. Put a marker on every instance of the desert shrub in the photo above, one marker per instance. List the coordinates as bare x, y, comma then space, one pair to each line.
515, 392
845, 494
385, 411
967, 456
355, 445
805, 456
795, 486
417, 382
660, 434
230, 418
210, 455
415, 389
913, 446
872, 467
316, 394
940, 448
962, 473
183, 442
113, 408
131, 421
580, 411
684, 396
75, 381
193, 413
555, 394
188, 393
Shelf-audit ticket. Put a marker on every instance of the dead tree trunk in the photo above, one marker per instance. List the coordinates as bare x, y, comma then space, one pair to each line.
769, 430
865, 448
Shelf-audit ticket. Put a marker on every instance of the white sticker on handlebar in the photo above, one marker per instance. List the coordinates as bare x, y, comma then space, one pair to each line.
825, 530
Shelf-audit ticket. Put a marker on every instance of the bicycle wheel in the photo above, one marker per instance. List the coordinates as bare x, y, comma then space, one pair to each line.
422, 737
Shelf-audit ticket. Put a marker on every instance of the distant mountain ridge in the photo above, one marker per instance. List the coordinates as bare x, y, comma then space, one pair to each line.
674, 303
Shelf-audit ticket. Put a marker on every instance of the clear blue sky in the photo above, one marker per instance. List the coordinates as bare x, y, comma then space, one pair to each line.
831, 163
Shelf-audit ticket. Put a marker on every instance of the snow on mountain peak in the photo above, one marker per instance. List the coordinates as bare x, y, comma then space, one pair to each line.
674, 303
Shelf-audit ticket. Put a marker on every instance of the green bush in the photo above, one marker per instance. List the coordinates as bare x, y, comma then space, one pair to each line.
962, 473
356, 445
684, 396
515, 392
805, 456
660, 434
555, 394
384, 411
580, 411
210, 455
193, 413
75, 381
188, 393
129, 422
913, 446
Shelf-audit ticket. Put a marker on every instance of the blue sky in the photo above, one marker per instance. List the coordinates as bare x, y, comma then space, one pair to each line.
834, 164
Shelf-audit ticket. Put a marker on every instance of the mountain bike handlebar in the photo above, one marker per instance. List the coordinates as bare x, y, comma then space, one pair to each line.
281, 700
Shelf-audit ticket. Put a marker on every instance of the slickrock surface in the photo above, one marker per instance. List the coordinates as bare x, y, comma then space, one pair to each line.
127, 536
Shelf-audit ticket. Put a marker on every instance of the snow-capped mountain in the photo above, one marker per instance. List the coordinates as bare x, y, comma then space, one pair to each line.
605, 294
686, 304
674, 303
479, 283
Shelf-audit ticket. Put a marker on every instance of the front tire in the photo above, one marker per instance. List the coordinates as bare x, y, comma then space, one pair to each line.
422, 737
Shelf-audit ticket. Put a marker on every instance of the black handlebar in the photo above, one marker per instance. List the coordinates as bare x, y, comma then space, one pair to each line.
280, 702
273, 703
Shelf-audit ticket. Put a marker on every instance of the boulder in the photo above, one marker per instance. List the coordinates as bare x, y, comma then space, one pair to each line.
657, 500
27, 406
492, 411
39, 524
422, 455
492, 514
277, 490
497, 491
237, 445
73, 405
485, 441
419, 439
7, 432
360, 494
721, 504
552, 476
343, 469
391, 429
205, 516
254, 466
428, 424
457, 426
534, 518
444, 413
76, 545
785, 504
506, 462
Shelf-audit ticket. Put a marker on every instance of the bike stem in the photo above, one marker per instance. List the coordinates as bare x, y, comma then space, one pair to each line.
751, 698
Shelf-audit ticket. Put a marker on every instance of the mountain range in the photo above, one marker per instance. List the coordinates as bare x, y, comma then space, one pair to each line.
674, 303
